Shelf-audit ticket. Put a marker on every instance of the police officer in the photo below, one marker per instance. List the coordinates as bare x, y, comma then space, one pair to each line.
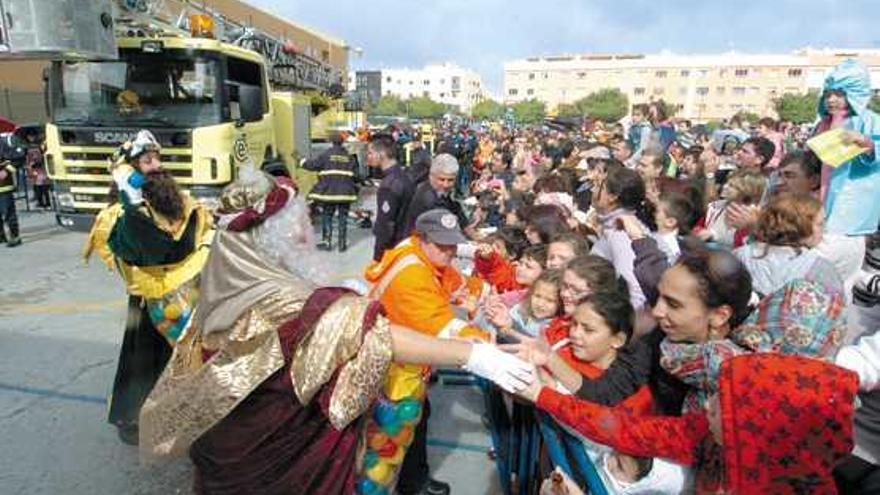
335, 190
393, 196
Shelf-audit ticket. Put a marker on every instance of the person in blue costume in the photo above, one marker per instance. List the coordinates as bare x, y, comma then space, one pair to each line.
844, 104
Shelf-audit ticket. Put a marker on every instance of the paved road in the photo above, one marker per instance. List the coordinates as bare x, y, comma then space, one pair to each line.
60, 330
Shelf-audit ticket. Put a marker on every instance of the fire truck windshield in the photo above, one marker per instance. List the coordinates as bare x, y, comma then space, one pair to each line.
166, 88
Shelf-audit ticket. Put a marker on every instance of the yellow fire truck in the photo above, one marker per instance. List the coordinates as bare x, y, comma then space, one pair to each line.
215, 92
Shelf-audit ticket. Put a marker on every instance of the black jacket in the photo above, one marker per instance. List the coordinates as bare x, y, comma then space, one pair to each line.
336, 176
392, 201
419, 165
426, 198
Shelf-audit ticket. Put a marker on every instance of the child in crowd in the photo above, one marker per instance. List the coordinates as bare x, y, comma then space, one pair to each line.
528, 318
564, 248
675, 216
744, 188
494, 260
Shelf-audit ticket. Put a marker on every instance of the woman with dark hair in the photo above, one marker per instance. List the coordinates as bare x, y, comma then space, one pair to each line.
544, 222
622, 193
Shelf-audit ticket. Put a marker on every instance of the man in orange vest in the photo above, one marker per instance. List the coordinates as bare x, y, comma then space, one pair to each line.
417, 286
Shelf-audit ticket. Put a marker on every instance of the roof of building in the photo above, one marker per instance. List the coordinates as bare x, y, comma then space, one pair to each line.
670, 60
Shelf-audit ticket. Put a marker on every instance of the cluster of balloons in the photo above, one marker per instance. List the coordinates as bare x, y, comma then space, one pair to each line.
171, 313
389, 433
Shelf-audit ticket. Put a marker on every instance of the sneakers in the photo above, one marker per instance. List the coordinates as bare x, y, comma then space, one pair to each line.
13, 242
434, 487
866, 292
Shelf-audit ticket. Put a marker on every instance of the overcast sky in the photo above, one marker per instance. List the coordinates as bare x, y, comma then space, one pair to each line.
483, 34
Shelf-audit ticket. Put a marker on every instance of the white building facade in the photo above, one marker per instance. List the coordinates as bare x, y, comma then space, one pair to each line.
704, 86
444, 83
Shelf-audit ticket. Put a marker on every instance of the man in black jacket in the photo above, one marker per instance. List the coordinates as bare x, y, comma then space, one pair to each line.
436, 192
419, 160
393, 196
335, 190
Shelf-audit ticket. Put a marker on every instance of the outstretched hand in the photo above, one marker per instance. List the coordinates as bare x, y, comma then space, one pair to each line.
536, 351
505, 370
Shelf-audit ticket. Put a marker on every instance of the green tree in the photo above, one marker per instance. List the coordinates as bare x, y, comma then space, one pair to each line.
488, 110
569, 110
750, 117
607, 105
529, 111
874, 103
422, 107
797, 108
388, 105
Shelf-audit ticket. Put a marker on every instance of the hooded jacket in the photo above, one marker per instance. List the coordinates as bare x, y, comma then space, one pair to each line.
786, 421
846, 211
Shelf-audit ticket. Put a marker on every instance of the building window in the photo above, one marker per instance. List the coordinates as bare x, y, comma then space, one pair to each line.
660, 74
702, 91
722, 72
638, 91
719, 90
511, 92
426, 82
795, 72
388, 79
582, 75
425, 94
741, 72
703, 72
532, 76
685, 73
736, 107
739, 91
442, 81
682, 91
657, 91
790, 90
701, 107
754, 90
530, 91
410, 83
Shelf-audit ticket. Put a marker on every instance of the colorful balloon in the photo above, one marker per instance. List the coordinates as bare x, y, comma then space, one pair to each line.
392, 428
408, 409
404, 437
388, 450
370, 459
380, 473
377, 441
384, 413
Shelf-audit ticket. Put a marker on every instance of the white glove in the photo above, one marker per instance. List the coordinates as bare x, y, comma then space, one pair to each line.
129, 182
506, 370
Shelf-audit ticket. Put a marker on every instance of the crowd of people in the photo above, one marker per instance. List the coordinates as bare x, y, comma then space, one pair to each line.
651, 309
648, 271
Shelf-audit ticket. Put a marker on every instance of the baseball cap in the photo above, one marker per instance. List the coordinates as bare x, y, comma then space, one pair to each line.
440, 226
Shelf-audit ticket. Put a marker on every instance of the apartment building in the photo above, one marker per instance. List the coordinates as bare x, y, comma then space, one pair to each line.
445, 83
704, 86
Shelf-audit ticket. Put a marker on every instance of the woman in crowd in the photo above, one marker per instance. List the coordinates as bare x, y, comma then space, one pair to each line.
622, 193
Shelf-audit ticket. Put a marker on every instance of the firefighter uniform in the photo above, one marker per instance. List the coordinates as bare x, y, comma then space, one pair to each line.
392, 201
334, 192
8, 214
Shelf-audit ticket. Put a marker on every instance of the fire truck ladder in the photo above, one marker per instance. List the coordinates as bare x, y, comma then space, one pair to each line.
288, 68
